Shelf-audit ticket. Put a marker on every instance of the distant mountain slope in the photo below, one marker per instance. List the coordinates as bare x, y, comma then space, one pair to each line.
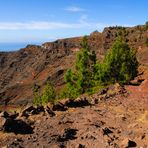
37, 64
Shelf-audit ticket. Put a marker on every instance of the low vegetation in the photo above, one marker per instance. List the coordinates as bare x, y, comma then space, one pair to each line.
87, 76
47, 95
120, 65
80, 79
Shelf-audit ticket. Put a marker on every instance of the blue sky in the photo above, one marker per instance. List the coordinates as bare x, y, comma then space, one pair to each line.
45, 20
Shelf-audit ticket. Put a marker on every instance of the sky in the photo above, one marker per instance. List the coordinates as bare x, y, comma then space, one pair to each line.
36, 21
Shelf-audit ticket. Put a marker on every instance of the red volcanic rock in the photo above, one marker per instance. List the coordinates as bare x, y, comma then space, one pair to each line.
20, 70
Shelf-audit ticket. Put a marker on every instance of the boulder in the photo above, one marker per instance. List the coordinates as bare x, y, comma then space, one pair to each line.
4, 114
80, 146
32, 111
79, 102
27, 111
127, 143
49, 111
107, 131
65, 101
69, 134
17, 126
38, 110
59, 107
13, 115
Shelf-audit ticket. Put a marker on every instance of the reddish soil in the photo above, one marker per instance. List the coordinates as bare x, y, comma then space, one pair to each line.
118, 122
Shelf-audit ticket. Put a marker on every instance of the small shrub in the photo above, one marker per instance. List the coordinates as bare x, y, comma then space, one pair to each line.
120, 63
36, 95
69, 92
37, 100
48, 94
42, 98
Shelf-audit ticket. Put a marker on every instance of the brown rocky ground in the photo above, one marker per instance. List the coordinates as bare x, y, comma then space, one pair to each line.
118, 120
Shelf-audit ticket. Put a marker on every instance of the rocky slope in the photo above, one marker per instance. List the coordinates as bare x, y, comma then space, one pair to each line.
36, 64
116, 117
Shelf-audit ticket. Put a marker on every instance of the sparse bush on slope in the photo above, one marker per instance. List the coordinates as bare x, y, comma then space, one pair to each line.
47, 95
120, 65
80, 79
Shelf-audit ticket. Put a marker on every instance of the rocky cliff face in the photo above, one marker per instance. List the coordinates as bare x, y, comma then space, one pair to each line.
37, 64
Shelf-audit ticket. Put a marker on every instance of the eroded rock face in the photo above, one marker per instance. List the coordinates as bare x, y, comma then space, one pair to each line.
20, 70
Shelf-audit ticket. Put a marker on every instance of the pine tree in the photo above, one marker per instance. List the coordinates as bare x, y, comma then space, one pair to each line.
36, 95
120, 63
42, 98
81, 78
48, 94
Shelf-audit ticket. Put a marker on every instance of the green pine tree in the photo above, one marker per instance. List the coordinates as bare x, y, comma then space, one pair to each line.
36, 95
48, 94
120, 64
80, 80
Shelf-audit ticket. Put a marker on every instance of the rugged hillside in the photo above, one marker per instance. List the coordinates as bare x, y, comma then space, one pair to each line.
37, 64
117, 117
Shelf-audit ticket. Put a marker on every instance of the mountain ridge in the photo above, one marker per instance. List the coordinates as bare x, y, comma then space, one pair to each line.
48, 62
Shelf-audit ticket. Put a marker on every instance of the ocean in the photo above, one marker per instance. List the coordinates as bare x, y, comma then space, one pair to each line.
14, 46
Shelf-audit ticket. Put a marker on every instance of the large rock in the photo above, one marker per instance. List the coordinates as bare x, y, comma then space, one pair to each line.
127, 143
27, 111
9, 123
69, 134
49, 111
4, 114
17, 126
32, 111
59, 107
79, 102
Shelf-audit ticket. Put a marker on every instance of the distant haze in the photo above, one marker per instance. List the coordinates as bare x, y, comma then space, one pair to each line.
14, 46
44, 20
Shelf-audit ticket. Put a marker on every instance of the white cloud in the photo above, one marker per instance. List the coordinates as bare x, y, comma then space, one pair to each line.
41, 25
74, 9
45, 25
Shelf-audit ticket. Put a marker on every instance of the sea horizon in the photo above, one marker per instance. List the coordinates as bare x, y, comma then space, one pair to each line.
6, 47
